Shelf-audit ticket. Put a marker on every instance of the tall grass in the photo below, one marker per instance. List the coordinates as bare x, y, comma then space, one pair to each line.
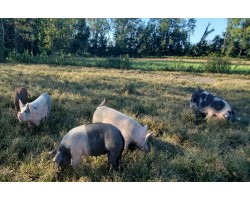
61, 59
218, 65
182, 149
214, 65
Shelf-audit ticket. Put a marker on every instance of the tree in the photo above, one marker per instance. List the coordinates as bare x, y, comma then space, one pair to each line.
80, 35
237, 39
216, 45
148, 38
202, 46
173, 36
125, 35
99, 35
190, 28
2, 47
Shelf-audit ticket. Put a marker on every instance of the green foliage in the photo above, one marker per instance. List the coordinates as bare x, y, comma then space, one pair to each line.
61, 59
218, 65
237, 37
105, 37
119, 63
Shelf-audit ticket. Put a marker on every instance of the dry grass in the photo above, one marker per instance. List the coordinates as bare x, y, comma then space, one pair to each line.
181, 150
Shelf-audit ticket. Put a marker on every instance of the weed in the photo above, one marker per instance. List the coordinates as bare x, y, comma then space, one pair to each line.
218, 65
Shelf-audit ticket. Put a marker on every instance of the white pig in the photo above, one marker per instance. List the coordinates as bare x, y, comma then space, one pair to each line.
35, 111
132, 131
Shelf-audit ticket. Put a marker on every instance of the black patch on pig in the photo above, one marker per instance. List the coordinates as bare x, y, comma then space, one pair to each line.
95, 133
196, 95
203, 96
209, 99
66, 155
204, 104
218, 105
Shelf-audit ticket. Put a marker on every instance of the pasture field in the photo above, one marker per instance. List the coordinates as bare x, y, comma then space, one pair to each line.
188, 65
235, 66
182, 148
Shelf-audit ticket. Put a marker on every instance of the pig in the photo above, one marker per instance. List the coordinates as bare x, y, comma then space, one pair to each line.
133, 133
21, 94
212, 106
90, 140
35, 111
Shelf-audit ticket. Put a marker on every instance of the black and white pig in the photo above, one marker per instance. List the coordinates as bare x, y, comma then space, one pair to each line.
90, 140
212, 106
35, 111
132, 131
21, 94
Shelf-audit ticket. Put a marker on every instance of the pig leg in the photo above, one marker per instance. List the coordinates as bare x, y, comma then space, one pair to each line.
118, 160
74, 161
210, 114
112, 158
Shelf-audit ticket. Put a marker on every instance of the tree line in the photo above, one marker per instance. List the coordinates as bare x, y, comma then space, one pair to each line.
134, 37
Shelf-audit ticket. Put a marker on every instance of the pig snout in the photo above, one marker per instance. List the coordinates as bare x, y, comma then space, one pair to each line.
146, 148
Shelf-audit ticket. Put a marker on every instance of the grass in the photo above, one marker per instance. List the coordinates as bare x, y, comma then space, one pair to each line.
200, 65
181, 149
186, 65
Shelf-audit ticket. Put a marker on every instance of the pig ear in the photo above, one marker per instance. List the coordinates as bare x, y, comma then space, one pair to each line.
52, 152
148, 136
29, 107
20, 103
58, 157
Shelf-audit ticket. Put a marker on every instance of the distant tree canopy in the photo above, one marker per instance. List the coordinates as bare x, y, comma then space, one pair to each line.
134, 37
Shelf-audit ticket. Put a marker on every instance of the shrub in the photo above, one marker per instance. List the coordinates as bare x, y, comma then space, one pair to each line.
218, 65
120, 63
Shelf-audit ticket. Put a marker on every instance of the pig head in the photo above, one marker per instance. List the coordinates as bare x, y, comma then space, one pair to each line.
35, 111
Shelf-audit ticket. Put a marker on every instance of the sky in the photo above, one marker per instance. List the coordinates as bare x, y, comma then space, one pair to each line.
219, 25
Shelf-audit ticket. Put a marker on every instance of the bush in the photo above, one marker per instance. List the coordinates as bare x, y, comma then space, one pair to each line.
218, 65
119, 63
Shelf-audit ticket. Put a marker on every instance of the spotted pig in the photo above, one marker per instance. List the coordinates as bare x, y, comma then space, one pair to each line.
212, 106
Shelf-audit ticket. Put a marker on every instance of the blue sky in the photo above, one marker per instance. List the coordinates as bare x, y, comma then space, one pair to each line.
219, 25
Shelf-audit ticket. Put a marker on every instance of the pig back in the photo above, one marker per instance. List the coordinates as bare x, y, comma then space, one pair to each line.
42, 105
131, 130
103, 138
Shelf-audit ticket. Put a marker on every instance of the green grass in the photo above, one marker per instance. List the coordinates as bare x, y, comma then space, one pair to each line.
187, 65
181, 149
145, 64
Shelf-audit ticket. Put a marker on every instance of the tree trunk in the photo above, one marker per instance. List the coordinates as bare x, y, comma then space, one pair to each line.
225, 42
2, 26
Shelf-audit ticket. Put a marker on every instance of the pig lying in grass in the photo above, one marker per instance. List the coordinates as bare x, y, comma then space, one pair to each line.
90, 140
21, 94
132, 131
212, 106
35, 111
